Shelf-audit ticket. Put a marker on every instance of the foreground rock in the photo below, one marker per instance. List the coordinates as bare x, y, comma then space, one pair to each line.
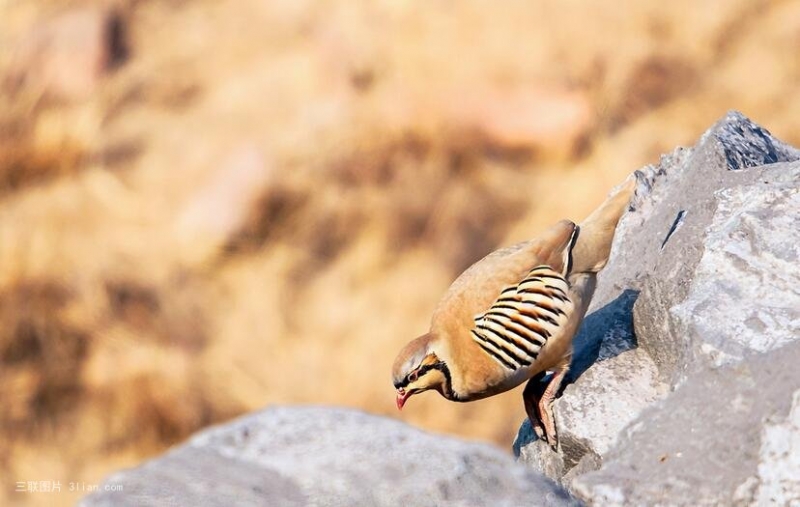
326, 456
704, 273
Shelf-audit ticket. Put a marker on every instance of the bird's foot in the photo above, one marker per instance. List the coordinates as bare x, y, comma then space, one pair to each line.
538, 429
548, 424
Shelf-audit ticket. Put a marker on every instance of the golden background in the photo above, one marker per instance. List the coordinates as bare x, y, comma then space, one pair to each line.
208, 207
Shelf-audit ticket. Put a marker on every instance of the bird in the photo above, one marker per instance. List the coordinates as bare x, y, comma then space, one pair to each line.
511, 317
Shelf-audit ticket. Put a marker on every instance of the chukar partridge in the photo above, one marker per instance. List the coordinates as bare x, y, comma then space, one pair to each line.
511, 318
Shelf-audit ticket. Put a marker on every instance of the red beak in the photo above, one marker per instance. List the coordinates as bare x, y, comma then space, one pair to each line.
402, 396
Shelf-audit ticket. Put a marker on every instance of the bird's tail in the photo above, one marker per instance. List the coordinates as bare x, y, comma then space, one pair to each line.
596, 232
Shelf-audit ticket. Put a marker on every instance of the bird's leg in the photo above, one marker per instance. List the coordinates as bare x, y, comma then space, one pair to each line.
546, 407
539, 397
533, 392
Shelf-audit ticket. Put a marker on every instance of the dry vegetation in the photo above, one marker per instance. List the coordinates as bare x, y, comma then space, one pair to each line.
208, 207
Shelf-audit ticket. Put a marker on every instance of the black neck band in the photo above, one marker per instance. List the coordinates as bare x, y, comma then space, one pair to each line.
448, 384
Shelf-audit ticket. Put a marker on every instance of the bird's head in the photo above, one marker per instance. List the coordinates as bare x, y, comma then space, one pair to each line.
417, 369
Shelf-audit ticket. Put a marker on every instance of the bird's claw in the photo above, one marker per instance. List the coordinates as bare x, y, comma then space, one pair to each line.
538, 429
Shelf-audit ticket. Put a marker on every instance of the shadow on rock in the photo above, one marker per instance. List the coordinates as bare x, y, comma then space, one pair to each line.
605, 333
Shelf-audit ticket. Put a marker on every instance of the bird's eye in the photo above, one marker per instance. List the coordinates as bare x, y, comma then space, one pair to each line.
412, 377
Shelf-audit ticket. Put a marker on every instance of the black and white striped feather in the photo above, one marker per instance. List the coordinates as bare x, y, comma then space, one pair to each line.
523, 318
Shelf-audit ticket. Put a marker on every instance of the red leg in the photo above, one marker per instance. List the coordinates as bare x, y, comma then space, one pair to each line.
546, 407
533, 392
539, 397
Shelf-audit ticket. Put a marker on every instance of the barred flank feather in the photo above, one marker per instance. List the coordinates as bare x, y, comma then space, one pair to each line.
523, 318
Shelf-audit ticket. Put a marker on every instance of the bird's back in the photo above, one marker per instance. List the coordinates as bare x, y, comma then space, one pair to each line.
477, 288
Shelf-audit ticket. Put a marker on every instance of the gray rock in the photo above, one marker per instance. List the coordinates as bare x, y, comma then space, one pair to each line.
328, 457
703, 273
778, 478
744, 293
727, 436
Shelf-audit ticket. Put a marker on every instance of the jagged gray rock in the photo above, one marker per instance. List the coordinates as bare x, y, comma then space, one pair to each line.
706, 270
727, 436
298, 456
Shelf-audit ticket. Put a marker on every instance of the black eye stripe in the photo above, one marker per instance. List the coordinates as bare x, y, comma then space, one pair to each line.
448, 383
422, 370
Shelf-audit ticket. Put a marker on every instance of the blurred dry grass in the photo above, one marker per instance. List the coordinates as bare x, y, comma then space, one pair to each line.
207, 207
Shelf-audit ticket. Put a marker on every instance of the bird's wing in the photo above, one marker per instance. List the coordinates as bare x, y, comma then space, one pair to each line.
485, 287
476, 289
544, 305
524, 317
